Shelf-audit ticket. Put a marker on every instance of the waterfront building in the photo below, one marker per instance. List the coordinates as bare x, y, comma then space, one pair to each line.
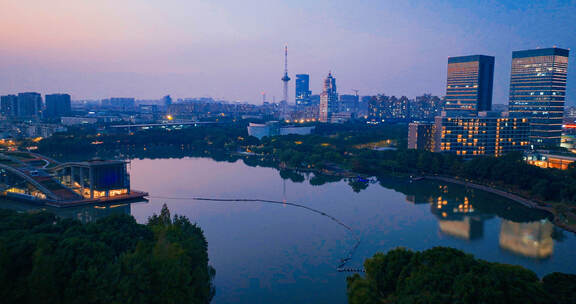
487, 134
547, 160
95, 179
29, 105
538, 90
421, 136
469, 84
57, 105
272, 128
303, 92
9, 105
328, 99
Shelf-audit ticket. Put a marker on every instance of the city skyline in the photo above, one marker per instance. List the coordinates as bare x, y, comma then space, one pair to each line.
200, 49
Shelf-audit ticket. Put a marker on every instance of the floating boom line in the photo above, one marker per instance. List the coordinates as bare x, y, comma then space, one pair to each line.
343, 261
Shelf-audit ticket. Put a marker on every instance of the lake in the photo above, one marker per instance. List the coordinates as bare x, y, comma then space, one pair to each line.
283, 253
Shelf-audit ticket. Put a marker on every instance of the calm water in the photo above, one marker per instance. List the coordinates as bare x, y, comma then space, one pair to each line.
283, 254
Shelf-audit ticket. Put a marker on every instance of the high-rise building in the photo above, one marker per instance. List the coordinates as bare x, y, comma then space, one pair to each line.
9, 105
538, 90
384, 108
29, 105
487, 134
57, 105
303, 92
469, 84
167, 101
328, 99
421, 136
425, 107
349, 104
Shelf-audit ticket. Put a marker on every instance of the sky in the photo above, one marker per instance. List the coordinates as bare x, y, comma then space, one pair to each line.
233, 50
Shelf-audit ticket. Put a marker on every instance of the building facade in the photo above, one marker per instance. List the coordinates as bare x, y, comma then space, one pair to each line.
349, 104
328, 99
384, 108
29, 105
538, 90
303, 92
469, 84
9, 105
487, 134
57, 105
421, 136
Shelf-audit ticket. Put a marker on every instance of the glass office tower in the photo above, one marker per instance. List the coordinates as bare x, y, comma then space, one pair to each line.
469, 84
303, 90
538, 90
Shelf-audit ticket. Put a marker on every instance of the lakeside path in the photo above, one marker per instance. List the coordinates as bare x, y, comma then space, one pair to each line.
514, 197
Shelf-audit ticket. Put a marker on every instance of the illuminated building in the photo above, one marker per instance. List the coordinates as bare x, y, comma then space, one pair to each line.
469, 84
95, 179
541, 160
488, 134
328, 99
57, 105
425, 107
384, 108
421, 136
538, 90
532, 240
303, 92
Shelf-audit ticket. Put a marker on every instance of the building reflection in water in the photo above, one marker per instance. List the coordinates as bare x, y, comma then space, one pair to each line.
84, 214
457, 217
532, 239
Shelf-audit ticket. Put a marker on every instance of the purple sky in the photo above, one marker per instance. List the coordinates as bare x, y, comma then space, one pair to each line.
234, 49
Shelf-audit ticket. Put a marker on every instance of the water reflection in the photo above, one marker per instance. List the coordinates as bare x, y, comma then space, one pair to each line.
533, 239
84, 214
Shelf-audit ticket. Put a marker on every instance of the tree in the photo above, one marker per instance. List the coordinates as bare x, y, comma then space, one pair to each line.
447, 275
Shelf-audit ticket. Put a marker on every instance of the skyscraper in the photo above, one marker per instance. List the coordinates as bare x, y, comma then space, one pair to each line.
328, 99
303, 92
538, 90
57, 105
29, 105
469, 84
9, 105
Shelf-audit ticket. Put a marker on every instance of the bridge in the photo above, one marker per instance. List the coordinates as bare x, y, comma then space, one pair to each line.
40, 179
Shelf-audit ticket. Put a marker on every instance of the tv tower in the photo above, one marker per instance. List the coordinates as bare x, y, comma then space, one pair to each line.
285, 80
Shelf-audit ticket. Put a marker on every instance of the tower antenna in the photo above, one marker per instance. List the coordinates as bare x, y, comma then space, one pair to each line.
285, 80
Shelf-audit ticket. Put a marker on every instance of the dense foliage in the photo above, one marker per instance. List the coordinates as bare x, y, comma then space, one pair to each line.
45, 259
445, 275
